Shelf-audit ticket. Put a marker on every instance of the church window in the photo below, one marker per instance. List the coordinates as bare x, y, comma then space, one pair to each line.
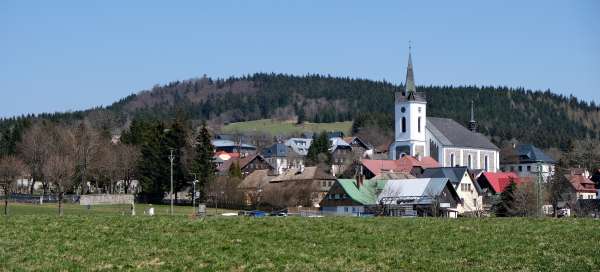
403, 124
485, 163
419, 124
452, 159
469, 162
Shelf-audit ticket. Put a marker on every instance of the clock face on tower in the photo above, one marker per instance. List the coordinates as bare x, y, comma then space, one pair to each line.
402, 109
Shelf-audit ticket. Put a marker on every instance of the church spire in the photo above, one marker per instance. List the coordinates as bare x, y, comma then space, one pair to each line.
410, 77
472, 122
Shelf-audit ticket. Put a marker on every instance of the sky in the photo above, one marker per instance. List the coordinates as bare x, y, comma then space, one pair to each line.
72, 55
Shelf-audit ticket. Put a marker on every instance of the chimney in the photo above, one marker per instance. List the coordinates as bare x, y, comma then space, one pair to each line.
359, 178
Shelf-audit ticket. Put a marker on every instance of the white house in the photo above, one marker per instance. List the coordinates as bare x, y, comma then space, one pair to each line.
528, 161
447, 141
470, 193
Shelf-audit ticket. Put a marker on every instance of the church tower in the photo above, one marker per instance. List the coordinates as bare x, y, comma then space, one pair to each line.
410, 118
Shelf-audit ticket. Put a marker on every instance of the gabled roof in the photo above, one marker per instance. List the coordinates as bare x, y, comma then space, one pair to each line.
366, 194
357, 140
419, 191
451, 133
276, 150
581, 183
390, 175
303, 174
530, 154
338, 143
256, 179
228, 143
500, 180
404, 164
243, 162
454, 174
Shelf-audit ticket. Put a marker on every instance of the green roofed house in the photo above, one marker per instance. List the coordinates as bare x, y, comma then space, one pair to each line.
349, 196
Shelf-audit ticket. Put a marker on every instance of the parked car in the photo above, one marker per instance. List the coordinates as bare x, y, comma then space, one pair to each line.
257, 214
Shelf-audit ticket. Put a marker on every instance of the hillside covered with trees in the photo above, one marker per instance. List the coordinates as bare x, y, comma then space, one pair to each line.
542, 118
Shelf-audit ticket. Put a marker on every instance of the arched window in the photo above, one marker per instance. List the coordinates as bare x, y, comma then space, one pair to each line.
469, 162
403, 124
419, 124
485, 163
452, 159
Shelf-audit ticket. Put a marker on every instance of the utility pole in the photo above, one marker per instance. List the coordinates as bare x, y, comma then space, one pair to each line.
171, 158
194, 192
539, 189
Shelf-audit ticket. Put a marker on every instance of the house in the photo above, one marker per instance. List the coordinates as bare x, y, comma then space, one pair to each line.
581, 186
492, 184
406, 164
254, 184
419, 197
230, 146
304, 184
282, 157
351, 197
299, 145
471, 195
525, 159
247, 165
445, 140
359, 147
341, 155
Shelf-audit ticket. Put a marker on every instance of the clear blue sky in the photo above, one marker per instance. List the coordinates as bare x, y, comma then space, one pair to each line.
69, 55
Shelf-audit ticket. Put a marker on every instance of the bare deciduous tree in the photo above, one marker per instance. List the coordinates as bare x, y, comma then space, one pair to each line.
11, 168
33, 148
60, 167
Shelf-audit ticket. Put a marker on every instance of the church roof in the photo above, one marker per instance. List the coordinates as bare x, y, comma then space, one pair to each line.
451, 133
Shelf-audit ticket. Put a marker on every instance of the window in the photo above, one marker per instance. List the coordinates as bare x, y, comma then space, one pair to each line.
337, 196
520, 168
419, 124
402, 109
528, 168
452, 159
403, 124
344, 196
485, 163
345, 209
330, 196
469, 164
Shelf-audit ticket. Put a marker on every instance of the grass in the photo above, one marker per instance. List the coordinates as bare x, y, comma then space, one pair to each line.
274, 127
164, 243
75, 209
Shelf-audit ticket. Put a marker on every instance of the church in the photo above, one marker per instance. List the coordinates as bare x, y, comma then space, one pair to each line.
443, 139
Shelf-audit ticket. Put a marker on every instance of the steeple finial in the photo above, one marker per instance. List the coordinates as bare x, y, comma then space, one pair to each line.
473, 123
410, 77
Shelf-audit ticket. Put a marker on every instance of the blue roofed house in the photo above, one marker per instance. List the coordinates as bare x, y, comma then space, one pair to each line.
282, 157
524, 159
468, 190
299, 145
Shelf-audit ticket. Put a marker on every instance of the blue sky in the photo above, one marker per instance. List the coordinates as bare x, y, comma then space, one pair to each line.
69, 55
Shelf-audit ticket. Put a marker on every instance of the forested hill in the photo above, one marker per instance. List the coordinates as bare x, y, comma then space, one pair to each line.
542, 118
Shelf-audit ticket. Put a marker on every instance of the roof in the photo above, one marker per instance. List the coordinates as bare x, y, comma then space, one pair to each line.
421, 190
500, 180
454, 174
243, 162
276, 150
357, 140
390, 175
529, 153
299, 145
303, 174
223, 155
366, 194
404, 164
581, 183
451, 133
228, 143
337, 143
256, 179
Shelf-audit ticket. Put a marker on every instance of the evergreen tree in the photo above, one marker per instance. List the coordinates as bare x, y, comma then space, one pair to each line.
505, 206
154, 166
176, 140
202, 164
318, 152
559, 186
235, 171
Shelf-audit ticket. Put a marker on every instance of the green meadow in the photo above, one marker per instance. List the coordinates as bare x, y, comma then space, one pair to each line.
104, 240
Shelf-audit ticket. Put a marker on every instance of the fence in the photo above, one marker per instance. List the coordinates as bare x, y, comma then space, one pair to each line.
40, 199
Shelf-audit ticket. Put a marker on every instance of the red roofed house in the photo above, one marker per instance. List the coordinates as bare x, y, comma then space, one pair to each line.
406, 164
582, 186
494, 183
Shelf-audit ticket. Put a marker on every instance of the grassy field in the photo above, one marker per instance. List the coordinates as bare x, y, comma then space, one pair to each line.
75, 209
104, 241
285, 127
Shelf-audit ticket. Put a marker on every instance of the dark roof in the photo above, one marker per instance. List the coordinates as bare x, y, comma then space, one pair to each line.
530, 153
276, 150
454, 174
451, 133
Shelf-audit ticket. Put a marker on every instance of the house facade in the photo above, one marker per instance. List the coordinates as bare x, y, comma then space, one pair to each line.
469, 192
527, 161
350, 197
447, 141
282, 157
581, 186
419, 197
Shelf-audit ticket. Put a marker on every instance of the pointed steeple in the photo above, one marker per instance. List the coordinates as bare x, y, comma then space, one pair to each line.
472, 123
410, 77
